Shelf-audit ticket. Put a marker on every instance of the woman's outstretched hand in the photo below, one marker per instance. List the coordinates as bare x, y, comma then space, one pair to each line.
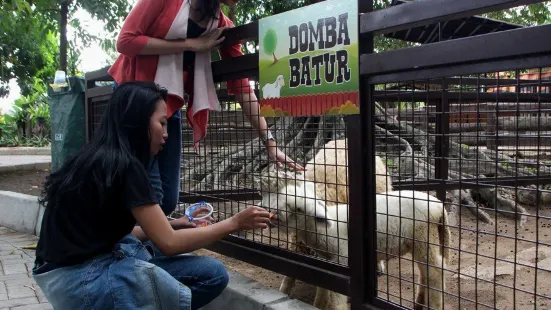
251, 218
277, 156
207, 42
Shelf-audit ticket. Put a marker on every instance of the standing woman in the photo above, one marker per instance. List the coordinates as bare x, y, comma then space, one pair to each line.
169, 42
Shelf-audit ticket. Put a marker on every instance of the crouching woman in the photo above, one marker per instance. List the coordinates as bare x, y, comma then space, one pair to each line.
91, 255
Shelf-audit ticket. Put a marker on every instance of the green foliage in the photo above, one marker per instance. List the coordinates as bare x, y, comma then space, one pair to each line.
29, 31
28, 123
250, 10
270, 41
40, 111
28, 48
526, 15
18, 116
14, 141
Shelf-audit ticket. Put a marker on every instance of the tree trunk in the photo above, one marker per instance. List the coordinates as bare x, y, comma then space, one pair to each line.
275, 58
63, 35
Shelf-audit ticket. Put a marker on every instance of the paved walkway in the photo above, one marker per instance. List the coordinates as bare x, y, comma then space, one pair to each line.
18, 291
24, 162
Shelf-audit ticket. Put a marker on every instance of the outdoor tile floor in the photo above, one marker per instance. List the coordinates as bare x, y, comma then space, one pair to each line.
18, 290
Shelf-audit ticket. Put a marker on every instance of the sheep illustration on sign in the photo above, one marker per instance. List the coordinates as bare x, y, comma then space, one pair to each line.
273, 90
309, 66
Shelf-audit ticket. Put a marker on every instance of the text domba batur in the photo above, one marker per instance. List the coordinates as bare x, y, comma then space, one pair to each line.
306, 38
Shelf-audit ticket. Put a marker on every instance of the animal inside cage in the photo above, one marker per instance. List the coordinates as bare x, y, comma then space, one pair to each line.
486, 154
442, 202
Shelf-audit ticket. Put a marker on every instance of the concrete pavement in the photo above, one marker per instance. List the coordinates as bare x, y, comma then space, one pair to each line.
18, 290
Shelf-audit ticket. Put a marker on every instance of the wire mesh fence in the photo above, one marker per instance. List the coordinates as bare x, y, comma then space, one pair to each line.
462, 173
480, 144
233, 159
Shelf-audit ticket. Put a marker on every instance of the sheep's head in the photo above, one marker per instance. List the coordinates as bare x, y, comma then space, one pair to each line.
280, 80
296, 205
274, 179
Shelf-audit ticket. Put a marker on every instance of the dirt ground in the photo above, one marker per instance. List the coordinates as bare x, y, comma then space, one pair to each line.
26, 182
482, 254
485, 282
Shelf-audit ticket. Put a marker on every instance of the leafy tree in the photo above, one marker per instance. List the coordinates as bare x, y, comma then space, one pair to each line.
110, 12
28, 49
270, 43
526, 15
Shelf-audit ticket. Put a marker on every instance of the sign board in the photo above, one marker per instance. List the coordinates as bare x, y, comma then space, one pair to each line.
308, 60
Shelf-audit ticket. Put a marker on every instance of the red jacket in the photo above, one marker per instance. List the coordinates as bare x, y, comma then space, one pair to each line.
153, 18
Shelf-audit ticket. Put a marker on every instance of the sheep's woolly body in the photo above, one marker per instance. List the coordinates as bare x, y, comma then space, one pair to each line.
329, 170
408, 214
403, 215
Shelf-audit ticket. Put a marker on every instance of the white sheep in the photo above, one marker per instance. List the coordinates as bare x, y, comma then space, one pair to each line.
273, 90
329, 170
403, 217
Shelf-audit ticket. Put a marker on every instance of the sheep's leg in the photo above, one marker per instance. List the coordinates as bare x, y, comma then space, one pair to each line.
436, 281
434, 285
381, 267
431, 277
287, 285
337, 301
322, 298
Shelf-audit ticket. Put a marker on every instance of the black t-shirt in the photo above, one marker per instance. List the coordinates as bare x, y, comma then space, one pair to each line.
193, 31
81, 227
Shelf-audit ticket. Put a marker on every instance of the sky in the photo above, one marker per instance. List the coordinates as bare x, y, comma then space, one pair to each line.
92, 58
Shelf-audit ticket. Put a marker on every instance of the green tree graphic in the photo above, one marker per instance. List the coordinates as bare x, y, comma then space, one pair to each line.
270, 43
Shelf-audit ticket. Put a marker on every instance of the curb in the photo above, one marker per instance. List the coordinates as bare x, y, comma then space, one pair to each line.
25, 151
25, 167
243, 293
22, 213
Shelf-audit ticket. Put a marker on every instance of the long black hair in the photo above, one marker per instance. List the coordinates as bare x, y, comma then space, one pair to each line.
122, 137
207, 9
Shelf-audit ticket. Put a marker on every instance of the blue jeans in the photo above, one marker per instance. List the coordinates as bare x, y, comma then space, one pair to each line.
164, 172
133, 277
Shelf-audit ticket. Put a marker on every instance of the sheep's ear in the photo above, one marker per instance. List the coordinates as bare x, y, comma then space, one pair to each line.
269, 184
321, 214
323, 221
272, 180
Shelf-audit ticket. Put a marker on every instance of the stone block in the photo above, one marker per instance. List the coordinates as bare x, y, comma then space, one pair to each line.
18, 212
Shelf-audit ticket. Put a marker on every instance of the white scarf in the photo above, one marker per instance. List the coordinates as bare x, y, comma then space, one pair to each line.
170, 67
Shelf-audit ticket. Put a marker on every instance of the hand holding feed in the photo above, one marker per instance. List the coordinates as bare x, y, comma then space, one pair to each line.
252, 218
183, 222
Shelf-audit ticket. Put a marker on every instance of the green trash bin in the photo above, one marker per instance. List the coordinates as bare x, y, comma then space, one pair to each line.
67, 120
